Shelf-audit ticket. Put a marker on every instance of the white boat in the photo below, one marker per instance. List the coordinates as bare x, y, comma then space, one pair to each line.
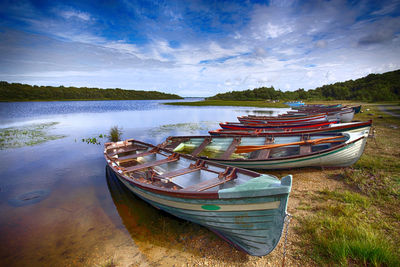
274, 152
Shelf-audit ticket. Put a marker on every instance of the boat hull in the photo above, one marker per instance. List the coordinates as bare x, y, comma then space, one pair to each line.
252, 222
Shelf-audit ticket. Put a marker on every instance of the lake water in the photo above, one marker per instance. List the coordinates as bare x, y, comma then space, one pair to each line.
58, 206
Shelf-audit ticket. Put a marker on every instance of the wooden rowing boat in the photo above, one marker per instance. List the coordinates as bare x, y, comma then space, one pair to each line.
332, 128
303, 125
276, 119
246, 208
342, 114
325, 108
274, 152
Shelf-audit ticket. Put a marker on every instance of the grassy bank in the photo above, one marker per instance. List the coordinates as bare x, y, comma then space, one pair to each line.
260, 104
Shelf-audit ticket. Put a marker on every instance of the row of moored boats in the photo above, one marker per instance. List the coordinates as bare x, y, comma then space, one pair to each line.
210, 179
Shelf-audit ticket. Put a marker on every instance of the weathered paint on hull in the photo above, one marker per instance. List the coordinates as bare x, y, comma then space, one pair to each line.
256, 231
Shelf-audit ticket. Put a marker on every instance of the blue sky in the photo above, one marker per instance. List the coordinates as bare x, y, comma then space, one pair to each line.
197, 48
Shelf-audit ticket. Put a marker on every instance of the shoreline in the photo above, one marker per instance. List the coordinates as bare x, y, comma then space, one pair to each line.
232, 103
66, 100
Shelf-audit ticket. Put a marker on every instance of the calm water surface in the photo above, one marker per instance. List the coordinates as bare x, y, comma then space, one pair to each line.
58, 206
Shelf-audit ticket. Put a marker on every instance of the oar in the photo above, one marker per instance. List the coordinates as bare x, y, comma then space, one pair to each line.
248, 149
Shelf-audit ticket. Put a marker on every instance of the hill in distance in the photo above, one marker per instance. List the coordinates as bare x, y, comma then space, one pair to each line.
26, 92
374, 87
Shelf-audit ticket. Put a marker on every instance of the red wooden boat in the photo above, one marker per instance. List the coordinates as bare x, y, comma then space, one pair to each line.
262, 119
241, 126
340, 127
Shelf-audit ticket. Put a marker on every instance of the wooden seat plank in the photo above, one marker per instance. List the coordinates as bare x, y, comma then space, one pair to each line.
174, 143
179, 172
305, 149
135, 156
149, 164
200, 186
201, 146
228, 175
264, 154
228, 152
121, 150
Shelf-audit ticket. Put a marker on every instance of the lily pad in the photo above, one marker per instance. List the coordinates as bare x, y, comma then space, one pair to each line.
188, 128
14, 137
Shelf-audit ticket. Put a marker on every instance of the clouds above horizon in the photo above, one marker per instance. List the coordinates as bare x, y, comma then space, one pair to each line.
197, 48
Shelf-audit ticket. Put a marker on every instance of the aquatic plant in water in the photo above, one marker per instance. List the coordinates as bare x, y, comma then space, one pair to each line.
91, 140
188, 128
29, 135
115, 134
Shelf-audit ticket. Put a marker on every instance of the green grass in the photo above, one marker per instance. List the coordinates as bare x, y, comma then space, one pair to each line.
345, 231
347, 197
261, 104
381, 185
378, 162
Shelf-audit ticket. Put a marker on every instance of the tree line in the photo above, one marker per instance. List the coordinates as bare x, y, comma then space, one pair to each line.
374, 87
26, 92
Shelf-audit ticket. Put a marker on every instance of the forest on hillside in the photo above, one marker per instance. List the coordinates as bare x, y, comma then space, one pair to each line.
26, 92
374, 87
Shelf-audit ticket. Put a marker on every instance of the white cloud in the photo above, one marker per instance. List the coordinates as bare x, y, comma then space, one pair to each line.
272, 31
76, 14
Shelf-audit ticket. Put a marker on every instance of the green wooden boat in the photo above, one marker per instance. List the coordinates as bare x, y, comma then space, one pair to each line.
244, 207
274, 151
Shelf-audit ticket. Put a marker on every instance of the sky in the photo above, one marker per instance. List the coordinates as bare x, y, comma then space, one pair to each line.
197, 48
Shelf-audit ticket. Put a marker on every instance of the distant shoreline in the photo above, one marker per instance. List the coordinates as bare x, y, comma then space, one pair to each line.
65, 100
235, 103
17, 92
